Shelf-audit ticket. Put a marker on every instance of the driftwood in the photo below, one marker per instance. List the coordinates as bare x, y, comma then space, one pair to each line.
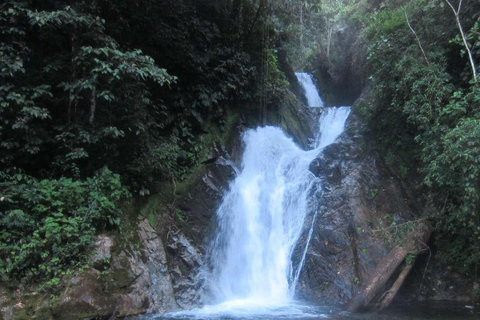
372, 287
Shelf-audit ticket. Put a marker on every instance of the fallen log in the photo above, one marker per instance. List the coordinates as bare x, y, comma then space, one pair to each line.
396, 286
414, 243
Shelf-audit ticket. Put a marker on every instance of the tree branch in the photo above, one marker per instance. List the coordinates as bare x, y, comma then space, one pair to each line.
464, 38
418, 39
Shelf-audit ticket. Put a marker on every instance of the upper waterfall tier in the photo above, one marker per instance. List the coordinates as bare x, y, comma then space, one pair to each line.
311, 92
331, 125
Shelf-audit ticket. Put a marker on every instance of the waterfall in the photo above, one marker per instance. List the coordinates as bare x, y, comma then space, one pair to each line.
261, 219
259, 222
311, 92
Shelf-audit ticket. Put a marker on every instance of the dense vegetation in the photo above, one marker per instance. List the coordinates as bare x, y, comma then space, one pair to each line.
426, 106
88, 109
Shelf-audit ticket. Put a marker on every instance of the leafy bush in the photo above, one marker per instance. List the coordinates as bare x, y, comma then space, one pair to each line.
277, 83
47, 225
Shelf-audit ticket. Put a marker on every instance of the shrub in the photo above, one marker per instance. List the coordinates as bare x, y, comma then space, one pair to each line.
46, 225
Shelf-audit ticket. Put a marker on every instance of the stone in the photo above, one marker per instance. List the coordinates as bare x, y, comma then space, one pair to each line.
100, 258
6, 304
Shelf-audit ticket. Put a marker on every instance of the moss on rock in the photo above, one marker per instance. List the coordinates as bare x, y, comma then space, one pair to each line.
292, 116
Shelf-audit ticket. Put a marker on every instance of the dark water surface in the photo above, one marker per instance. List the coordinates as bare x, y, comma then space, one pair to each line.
410, 311
429, 310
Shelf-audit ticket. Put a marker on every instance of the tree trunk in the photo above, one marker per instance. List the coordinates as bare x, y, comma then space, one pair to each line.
301, 25
386, 269
93, 105
418, 39
329, 40
236, 14
254, 22
464, 38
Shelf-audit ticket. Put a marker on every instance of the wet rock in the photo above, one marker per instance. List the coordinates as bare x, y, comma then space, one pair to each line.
145, 273
22, 305
318, 165
6, 305
204, 195
185, 263
85, 298
6, 313
357, 198
296, 119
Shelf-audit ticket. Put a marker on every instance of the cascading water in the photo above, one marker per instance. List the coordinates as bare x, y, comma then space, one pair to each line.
331, 125
311, 92
259, 223
261, 219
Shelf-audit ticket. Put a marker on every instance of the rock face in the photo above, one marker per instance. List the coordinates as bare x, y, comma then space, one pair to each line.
160, 275
204, 193
360, 197
184, 264
148, 275
125, 279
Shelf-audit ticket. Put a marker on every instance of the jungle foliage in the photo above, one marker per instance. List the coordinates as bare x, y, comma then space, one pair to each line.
425, 106
84, 87
47, 225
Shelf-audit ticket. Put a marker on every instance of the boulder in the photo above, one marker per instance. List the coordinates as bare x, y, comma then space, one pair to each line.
135, 281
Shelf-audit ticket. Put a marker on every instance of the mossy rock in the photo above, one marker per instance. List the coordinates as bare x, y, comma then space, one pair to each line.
36, 306
153, 209
120, 276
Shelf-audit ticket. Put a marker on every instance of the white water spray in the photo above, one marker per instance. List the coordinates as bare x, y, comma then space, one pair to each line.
262, 216
311, 92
